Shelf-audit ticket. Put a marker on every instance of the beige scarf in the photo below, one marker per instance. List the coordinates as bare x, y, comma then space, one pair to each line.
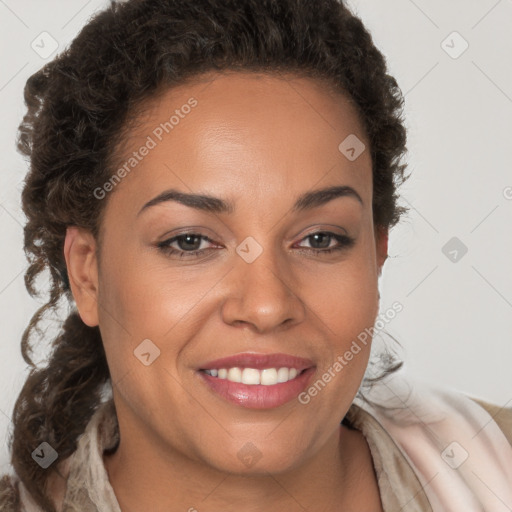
459, 454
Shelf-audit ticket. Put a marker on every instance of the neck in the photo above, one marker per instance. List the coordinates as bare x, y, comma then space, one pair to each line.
146, 477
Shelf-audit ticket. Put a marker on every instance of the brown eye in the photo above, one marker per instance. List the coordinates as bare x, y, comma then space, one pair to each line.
321, 242
189, 242
187, 245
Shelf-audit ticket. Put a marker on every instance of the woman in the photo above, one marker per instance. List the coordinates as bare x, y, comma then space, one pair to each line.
212, 185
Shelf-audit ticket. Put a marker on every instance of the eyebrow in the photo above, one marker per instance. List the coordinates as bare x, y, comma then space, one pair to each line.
307, 201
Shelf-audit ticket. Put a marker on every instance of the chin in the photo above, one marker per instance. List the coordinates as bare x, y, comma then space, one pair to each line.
251, 461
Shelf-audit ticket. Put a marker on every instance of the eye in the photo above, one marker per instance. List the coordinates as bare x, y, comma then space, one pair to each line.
324, 239
188, 245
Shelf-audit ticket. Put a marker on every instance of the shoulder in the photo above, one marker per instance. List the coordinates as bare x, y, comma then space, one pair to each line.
14, 496
9, 494
100, 433
501, 415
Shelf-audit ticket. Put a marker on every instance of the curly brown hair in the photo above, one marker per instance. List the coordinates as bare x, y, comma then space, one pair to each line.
79, 108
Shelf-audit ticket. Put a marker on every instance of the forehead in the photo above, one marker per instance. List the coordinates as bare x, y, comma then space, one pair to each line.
245, 133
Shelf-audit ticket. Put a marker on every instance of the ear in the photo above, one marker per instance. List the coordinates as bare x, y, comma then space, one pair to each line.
80, 255
381, 240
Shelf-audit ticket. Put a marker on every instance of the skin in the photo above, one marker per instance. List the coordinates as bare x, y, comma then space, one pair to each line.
259, 141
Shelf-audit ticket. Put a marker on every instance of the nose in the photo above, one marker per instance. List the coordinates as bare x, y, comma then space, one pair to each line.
263, 294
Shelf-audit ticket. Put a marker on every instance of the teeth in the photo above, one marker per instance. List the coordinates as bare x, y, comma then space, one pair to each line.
235, 375
269, 376
252, 376
283, 375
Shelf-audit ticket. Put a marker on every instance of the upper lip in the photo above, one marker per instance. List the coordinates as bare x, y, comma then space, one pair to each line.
259, 361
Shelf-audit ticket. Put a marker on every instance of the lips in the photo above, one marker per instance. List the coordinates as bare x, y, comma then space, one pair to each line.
258, 396
259, 362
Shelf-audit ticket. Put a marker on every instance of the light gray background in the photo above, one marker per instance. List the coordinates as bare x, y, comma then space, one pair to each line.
457, 318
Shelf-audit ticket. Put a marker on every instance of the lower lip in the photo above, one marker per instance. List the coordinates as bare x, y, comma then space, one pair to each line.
258, 396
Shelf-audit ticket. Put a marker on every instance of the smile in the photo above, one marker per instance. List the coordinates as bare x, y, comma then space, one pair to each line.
267, 394
253, 376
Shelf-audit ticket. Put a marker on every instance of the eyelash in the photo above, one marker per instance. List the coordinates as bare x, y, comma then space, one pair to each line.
345, 242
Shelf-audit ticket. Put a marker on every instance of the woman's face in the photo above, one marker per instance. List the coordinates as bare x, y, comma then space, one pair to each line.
257, 144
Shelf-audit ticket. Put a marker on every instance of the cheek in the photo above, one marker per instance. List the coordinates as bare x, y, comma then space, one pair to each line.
344, 301
347, 315
143, 298
144, 294
344, 296
344, 305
